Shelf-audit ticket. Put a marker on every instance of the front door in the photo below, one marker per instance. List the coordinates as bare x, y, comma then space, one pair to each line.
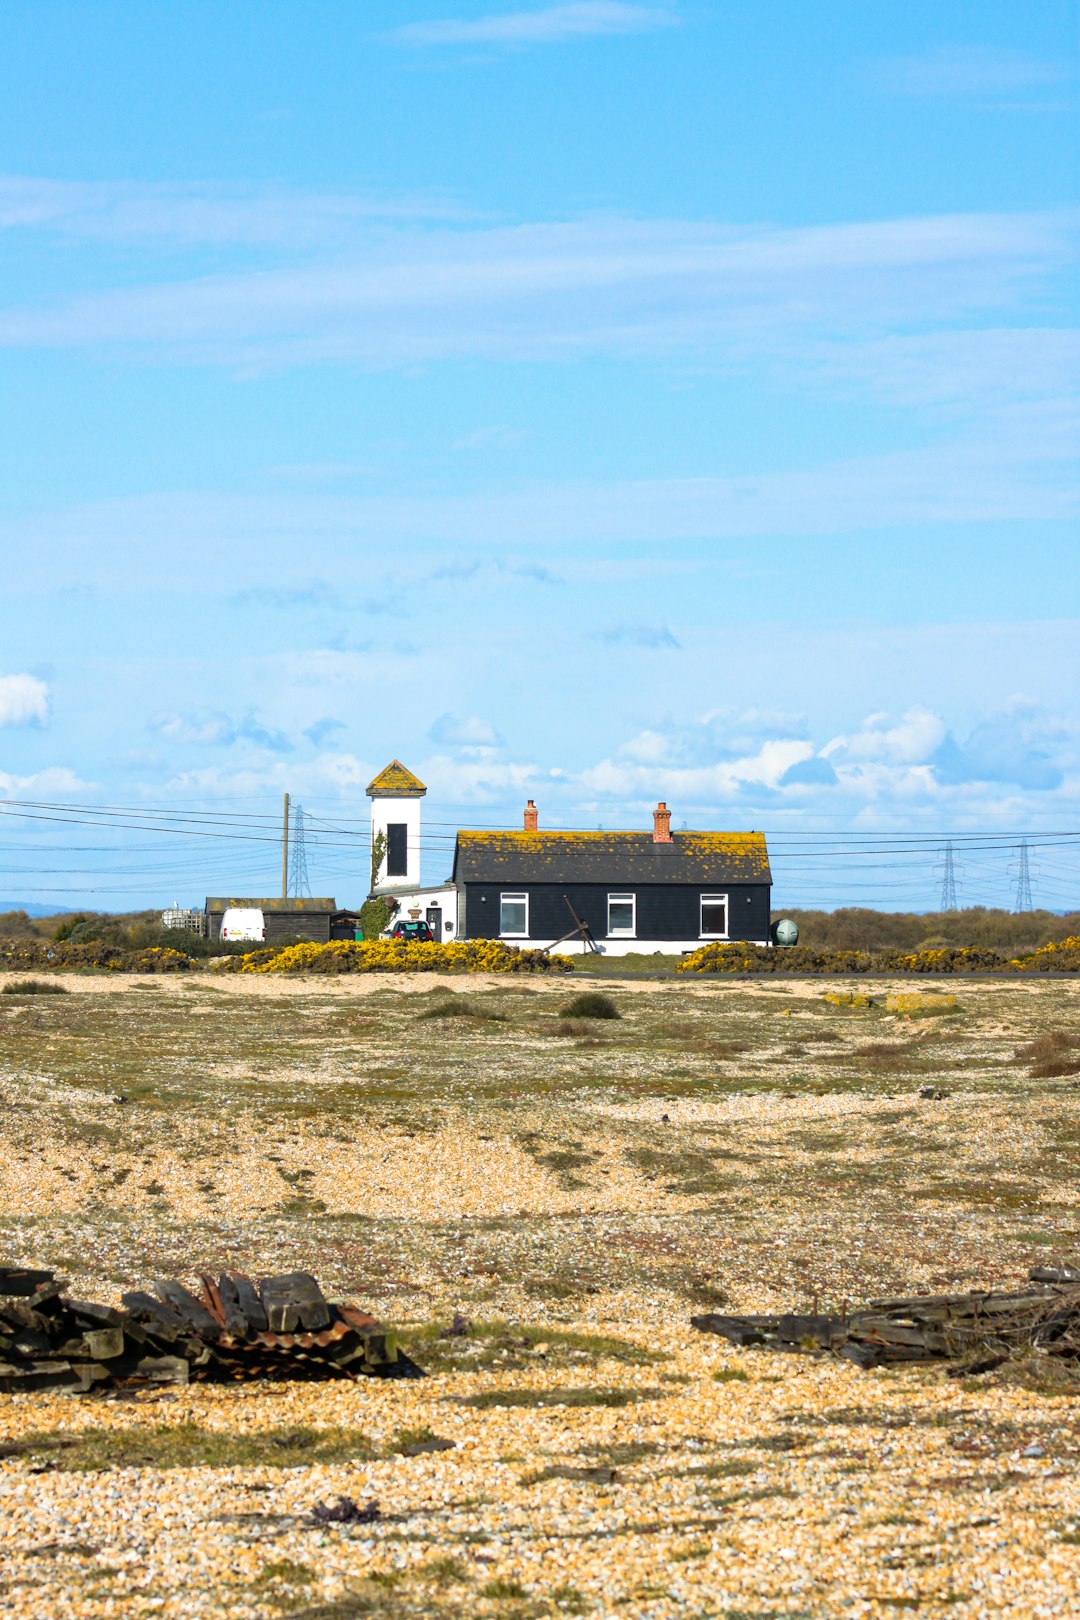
434, 921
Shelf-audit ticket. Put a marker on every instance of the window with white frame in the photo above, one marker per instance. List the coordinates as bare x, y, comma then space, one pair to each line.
514, 916
622, 915
714, 916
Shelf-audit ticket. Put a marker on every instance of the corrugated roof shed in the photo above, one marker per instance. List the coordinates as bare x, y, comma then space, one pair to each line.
300, 903
611, 857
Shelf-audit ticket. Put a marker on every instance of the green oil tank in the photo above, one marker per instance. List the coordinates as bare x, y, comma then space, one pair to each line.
785, 932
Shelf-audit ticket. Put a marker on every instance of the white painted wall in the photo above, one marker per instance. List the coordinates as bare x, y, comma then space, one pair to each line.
445, 896
629, 947
385, 811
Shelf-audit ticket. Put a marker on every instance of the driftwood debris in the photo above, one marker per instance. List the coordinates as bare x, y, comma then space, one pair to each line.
233, 1329
976, 1331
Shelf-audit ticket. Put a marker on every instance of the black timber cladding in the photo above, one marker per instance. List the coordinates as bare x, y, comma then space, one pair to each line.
668, 879
664, 911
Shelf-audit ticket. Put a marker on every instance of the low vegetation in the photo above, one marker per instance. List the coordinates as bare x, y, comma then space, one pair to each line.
590, 1004
1060, 956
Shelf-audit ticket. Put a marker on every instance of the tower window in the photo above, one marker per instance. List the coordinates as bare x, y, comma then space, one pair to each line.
397, 849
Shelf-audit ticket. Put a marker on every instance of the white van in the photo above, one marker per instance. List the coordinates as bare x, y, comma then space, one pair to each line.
243, 922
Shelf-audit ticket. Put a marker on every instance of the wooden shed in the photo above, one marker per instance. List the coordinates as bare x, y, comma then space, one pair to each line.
299, 918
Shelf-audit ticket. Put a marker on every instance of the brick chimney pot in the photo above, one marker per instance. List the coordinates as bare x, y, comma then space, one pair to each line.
661, 817
532, 817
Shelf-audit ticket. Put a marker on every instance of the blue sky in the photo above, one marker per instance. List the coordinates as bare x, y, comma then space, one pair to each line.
592, 401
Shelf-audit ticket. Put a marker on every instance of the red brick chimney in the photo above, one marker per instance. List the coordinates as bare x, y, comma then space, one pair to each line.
532, 817
661, 824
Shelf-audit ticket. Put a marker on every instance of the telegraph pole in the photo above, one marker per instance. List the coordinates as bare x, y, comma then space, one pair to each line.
285, 851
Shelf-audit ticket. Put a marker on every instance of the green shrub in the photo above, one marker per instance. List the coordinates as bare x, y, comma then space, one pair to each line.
375, 916
590, 1004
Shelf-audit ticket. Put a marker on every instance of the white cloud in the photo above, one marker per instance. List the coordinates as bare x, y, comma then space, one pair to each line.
910, 740
56, 782
694, 784
24, 701
549, 25
970, 70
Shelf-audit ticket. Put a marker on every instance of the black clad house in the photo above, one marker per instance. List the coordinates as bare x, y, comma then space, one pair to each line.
658, 891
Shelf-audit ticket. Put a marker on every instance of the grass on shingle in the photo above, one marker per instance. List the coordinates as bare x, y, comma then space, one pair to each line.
187, 1445
580, 1396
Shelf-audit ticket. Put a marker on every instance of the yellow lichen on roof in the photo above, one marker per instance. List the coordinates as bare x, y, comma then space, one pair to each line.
750, 845
396, 781
747, 846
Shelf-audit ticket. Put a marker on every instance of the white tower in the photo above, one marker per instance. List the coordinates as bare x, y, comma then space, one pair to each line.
395, 796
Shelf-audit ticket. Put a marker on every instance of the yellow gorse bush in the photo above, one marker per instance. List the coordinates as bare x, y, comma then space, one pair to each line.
916, 1001
399, 956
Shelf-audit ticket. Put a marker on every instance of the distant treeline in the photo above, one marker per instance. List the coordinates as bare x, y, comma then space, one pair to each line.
853, 928
121, 931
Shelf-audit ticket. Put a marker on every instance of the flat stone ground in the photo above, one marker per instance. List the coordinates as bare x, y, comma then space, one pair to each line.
575, 1189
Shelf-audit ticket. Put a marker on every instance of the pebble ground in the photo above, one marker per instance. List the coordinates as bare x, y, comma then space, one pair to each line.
607, 1459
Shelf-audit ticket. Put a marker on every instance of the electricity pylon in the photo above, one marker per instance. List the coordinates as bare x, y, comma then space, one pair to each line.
299, 882
947, 869
1023, 881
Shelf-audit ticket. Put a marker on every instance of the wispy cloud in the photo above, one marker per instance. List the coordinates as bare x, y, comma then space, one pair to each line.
162, 213
969, 71
319, 593
24, 701
472, 733
560, 291
318, 732
212, 728
653, 636
1023, 471
548, 25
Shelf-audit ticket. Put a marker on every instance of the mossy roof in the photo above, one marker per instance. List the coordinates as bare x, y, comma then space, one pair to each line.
395, 781
611, 857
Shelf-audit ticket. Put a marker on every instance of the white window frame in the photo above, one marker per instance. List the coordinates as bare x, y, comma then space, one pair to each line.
518, 898
713, 900
622, 933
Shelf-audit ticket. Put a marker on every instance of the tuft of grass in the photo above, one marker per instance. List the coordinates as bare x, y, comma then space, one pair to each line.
590, 1004
497, 1344
444, 1572
34, 987
285, 1570
1051, 1056
452, 1006
730, 1375
560, 1397
568, 1600
503, 1589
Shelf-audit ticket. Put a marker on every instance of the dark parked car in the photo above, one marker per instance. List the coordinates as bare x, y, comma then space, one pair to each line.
414, 933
